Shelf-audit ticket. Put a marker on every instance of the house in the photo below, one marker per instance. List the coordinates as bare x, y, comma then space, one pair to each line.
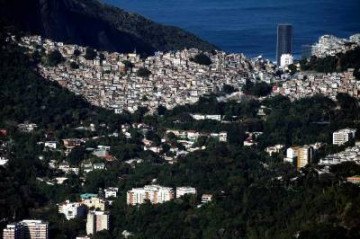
181, 191
111, 192
51, 144
99, 166
205, 198
72, 210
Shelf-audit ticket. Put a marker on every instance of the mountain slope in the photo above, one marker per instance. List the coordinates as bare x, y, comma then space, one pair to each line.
92, 23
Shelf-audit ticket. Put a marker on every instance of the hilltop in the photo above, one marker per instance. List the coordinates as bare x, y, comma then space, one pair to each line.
95, 24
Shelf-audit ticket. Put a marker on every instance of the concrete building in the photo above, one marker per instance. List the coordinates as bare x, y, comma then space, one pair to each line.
181, 191
271, 150
13, 231
301, 155
26, 229
205, 198
97, 221
284, 41
111, 192
343, 136
72, 210
153, 193
305, 156
285, 60
35, 229
95, 203
291, 154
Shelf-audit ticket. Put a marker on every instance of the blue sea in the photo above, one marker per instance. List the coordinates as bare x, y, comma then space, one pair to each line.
249, 26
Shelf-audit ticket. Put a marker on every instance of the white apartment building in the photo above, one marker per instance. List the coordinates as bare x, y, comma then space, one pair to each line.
285, 60
97, 221
181, 191
343, 136
291, 154
111, 192
72, 210
154, 193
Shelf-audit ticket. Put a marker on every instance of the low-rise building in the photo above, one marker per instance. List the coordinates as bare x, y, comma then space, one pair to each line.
72, 210
271, 150
111, 192
95, 203
353, 179
181, 191
205, 198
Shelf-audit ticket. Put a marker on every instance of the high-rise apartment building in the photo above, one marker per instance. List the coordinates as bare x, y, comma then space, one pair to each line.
301, 155
284, 41
27, 229
13, 231
343, 136
305, 156
97, 221
153, 193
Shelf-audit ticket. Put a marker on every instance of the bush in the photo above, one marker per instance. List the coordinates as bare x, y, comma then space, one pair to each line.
90, 54
201, 59
74, 65
143, 72
54, 58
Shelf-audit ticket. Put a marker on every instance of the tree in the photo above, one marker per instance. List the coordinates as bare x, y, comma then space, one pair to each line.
74, 65
201, 59
128, 64
77, 52
161, 110
143, 72
228, 89
76, 155
257, 89
54, 58
90, 54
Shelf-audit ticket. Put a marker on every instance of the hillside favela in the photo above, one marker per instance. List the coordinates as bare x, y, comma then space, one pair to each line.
169, 119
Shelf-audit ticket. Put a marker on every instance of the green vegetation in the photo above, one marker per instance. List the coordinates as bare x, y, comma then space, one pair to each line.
201, 59
340, 62
90, 54
128, 64
74, 65
257, 89
143, 72
54, 58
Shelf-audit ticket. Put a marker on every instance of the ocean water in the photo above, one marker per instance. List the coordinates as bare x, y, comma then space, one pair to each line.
249, 26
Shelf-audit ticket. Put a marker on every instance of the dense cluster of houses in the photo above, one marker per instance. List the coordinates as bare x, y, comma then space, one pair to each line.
112, 80
329, 45
307, 85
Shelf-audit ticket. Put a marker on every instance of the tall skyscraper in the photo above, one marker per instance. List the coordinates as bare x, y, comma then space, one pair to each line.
284, 41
